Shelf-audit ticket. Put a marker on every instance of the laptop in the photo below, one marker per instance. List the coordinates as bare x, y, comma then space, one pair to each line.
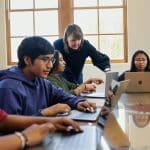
109, 77
117, 88
89, 139
84, 116
139, 82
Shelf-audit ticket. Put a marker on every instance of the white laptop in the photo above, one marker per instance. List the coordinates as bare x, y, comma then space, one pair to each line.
139, 82
109, 77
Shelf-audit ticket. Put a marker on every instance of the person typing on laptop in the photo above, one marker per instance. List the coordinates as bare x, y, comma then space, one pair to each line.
140, 63
76, 89
24, 89
29, 131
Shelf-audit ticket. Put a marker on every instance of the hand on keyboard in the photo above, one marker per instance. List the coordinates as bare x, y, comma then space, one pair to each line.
85, 105
71, 130
90, 110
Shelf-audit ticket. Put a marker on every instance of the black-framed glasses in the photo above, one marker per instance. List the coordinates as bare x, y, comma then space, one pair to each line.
47, 60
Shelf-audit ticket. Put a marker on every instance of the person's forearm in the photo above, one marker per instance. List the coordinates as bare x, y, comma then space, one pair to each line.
10, 142
13, 122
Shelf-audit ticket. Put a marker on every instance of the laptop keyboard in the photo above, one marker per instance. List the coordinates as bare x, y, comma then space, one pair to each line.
78, 115
86, 140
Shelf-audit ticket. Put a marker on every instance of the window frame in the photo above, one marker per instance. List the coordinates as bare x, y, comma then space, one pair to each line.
65, 18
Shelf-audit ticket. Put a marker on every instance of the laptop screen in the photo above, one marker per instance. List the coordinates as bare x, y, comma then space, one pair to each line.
139, 81
109, 77
118, 88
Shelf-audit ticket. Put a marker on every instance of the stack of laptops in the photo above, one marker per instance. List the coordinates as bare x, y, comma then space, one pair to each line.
139, 82
109, 77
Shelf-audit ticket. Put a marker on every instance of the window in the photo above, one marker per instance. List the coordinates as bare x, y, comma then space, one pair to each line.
103, 23
31, 17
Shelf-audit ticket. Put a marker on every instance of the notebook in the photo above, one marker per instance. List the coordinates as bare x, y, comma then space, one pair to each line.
109, 77
117, 88
84, 116
89, 139
139, 82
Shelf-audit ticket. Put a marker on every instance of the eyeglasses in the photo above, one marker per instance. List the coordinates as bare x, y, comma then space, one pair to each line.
47, 60
139, 60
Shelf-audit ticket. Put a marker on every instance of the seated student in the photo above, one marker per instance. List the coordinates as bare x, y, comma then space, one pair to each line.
75, 49
31, 135
23, 89
56, 78
139, 63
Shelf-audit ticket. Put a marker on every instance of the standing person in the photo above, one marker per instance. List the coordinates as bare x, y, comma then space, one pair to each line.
76, 89
32, 135
23, 89
140, 63
75, 49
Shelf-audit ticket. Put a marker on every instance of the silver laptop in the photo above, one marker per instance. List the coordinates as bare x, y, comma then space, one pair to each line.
139, 82
117, 88
109, 77
84, 116
89, 139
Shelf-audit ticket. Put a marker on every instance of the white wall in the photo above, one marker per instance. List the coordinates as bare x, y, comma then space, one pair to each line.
138, 25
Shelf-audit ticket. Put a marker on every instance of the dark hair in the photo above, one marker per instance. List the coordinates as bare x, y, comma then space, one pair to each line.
33, 47
133, 67
56, 63
72, 30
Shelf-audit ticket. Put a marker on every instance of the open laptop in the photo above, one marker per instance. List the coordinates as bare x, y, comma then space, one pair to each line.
139, 82
117, 88
109, 77
84, 116
89, 139
121, 88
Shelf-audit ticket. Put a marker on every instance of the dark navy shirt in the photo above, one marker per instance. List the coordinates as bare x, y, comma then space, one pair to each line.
75, 60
